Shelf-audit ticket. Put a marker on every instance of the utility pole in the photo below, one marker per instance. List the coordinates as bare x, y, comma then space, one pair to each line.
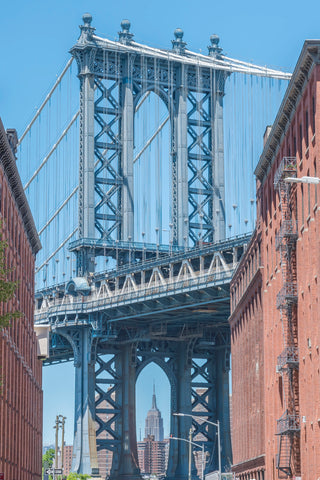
219, 447
60, 420
179, 414
56, 446
190, 452
62, 441
196, 444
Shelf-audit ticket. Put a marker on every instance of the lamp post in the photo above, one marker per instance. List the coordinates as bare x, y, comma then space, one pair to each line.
305, 179
190, 452
178, 414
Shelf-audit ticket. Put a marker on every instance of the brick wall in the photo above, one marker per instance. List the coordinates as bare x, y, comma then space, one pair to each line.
256, 324
20, 393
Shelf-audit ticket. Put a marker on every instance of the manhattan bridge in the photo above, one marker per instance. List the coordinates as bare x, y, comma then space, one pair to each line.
143, 194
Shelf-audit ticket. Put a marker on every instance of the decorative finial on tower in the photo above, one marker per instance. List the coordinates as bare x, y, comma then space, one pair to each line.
178, 44
86, 29
125, 36
214, 49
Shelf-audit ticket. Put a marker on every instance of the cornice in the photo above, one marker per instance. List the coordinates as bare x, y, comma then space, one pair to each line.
309, 57
8, 163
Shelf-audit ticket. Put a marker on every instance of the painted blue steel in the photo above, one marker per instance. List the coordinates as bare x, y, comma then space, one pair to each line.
112, 82
167, 304
196, 252
182, 327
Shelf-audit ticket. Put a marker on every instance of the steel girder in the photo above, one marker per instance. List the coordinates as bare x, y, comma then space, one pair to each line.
113, 81
106, 373
107, 148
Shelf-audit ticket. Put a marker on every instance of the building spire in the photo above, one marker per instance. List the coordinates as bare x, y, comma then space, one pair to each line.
154, 400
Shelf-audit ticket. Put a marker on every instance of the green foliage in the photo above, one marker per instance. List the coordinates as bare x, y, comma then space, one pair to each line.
47, 460
77, 476
7, 287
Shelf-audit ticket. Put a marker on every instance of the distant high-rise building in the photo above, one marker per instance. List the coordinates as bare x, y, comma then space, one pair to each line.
152, 456
154, 421
152, 452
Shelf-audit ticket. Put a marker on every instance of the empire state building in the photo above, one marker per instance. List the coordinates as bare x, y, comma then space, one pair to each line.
154, 421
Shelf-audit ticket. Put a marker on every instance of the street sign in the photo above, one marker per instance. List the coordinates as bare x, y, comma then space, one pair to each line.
49, 471
58, 471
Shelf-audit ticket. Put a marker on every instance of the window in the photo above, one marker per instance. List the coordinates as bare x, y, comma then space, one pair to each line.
316, 186
313, 119
308, 174
300, 141
4, 206
307, 129
302, 206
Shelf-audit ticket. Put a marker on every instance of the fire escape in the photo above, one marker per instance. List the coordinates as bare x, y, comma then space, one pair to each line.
288, 425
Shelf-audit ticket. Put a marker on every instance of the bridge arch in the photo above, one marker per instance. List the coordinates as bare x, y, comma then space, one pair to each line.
152, 171
161, 393
163, 94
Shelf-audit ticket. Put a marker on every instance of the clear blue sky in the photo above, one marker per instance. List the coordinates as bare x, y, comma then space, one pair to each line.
35, 37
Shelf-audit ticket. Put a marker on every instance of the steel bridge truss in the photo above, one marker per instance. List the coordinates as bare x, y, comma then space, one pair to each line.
113, 83
169, 310
167, 305
106, 374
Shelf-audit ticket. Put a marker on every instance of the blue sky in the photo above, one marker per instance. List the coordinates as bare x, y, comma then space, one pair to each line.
35, 37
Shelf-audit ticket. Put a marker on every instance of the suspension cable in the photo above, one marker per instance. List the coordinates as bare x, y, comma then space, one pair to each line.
45, 100
59, 210
57, 250
46, 158
151, 139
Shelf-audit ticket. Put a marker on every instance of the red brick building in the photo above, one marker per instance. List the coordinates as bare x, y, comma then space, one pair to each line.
152, 455
67, 459
275, 297
20, 393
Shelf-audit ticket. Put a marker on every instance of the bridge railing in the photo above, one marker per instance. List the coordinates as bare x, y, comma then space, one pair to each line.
174, 257
68, 303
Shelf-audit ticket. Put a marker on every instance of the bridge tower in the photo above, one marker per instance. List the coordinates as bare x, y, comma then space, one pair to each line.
114, 77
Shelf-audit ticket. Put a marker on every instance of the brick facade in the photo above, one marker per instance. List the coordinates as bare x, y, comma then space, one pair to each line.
20, 393
269, 385
67, 459
152, 455
247, 362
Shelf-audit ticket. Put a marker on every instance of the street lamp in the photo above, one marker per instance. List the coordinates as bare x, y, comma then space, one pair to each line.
190, 452
211, 423
305, 179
